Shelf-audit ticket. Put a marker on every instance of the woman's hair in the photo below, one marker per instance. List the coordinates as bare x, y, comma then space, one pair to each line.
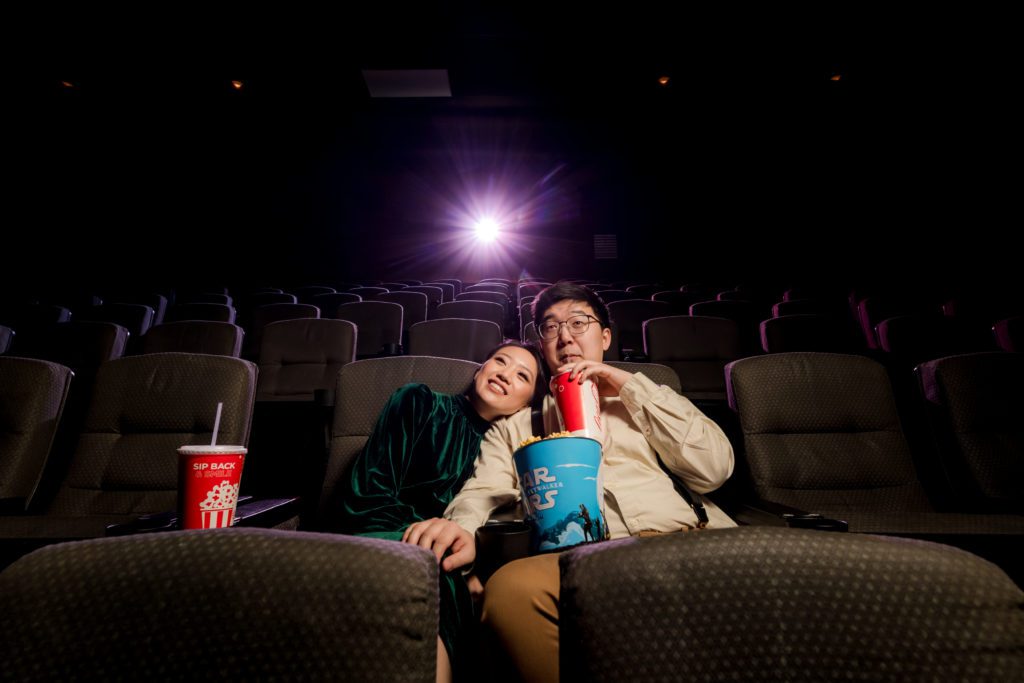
561, 291
540, 387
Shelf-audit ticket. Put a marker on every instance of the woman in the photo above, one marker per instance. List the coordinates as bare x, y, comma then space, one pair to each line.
421, 452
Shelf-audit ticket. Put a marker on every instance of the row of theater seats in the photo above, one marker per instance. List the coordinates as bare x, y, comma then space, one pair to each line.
896, 323
692, 341
750, 604
831, 440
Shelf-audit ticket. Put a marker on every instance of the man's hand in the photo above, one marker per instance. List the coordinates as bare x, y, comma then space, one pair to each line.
441, 535
609, 380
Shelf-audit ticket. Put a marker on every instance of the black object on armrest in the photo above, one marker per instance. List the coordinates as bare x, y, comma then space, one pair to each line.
324, 397
812, 520
499, 542
766, 513
159, 521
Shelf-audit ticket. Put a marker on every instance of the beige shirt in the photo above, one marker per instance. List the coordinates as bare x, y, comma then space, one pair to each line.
645, 418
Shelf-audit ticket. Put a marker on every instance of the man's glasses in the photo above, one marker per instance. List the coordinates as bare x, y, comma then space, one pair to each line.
577, 325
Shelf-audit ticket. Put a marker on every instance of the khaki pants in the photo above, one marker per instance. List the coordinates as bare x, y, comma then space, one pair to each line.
520, 616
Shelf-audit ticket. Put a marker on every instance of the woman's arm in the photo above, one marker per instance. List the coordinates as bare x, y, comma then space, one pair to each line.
494, 483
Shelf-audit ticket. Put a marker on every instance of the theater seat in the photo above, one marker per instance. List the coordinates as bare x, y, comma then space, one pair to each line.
125, 461
975, 403
821, 433
767, 604
232, 604
32, 396
363, 389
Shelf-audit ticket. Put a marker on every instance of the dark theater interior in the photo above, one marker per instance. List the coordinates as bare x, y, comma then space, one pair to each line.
777, 241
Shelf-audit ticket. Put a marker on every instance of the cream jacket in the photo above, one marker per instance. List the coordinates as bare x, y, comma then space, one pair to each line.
645, 418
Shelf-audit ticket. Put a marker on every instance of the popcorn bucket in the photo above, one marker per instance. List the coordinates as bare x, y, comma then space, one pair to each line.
579, 407
208, 481
560, 481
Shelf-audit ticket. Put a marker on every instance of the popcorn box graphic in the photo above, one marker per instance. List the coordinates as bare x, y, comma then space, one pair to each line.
208, 481
560, 481
219, 507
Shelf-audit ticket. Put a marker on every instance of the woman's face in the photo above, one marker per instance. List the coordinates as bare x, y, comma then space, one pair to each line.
504, 384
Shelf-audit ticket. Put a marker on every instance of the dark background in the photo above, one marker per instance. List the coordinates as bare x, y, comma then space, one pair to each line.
749, 159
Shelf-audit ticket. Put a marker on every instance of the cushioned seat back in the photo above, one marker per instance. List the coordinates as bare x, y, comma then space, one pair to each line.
32, 395
476, 310
81, 346
807, 332
363, 389
821, 432
200, 311
378, 325
454, 338
136, 318
414, 306
659, 374
769, 604
194, 336
232, 604
306, 294
979, 403
1009, 334
629, 315
6, 335
297, 357
143, 408
697, 348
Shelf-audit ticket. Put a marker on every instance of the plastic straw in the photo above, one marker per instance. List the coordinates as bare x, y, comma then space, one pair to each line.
216, 424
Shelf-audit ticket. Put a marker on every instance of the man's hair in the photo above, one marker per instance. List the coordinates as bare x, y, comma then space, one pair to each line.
560, 291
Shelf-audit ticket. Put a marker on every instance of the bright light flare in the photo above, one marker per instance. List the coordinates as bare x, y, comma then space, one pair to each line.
487, 230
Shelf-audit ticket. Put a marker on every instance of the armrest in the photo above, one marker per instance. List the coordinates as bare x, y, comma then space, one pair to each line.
267, 513
766, 513
264, 513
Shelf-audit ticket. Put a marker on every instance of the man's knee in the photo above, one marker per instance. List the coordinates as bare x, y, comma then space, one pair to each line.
522, 587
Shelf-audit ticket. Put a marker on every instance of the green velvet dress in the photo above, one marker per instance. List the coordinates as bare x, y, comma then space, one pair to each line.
420, 454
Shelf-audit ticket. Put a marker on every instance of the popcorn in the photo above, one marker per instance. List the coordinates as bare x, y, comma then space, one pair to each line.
534, 439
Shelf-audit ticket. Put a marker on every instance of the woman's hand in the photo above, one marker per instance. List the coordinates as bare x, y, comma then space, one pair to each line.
609, 380
440, 536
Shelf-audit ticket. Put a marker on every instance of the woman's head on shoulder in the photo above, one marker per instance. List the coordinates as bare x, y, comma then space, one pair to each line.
512, 376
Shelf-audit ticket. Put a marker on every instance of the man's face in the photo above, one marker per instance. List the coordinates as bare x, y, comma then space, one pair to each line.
567, 347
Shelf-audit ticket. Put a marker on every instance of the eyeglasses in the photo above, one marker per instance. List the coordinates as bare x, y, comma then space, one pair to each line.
577, 325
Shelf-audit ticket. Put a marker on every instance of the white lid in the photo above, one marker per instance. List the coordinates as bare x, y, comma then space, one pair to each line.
201, 449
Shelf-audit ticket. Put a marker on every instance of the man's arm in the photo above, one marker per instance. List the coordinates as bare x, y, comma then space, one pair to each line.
689, 443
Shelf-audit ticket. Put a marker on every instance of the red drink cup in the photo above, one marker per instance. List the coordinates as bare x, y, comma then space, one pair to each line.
578, 406
208, 480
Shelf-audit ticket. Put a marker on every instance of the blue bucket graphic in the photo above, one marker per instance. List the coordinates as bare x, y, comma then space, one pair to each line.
561, 486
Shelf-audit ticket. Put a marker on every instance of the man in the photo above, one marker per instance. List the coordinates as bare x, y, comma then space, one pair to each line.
643, 421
